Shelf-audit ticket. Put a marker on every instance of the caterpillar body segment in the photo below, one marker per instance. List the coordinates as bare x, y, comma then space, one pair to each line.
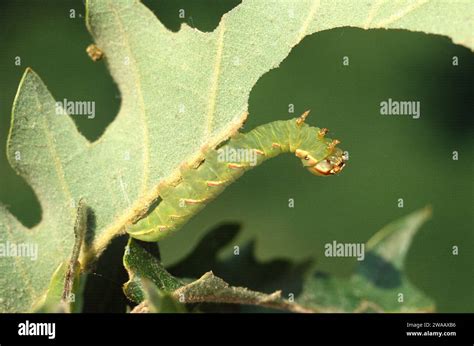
222, 166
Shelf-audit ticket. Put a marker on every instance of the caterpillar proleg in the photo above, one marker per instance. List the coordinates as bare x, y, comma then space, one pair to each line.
223, 165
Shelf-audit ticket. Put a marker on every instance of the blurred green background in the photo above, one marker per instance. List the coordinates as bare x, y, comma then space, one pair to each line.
390, 157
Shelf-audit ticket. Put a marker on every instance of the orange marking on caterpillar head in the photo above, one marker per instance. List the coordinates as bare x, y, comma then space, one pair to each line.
259, 152
321, 168
276, 145
307, 159
329, 166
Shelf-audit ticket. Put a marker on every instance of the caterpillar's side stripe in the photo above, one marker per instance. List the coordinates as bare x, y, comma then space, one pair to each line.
199, 185
216, 183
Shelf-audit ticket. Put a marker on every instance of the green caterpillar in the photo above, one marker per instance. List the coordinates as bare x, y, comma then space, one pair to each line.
223, 165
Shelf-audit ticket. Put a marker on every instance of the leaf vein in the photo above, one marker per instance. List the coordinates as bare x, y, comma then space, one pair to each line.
215, 79
400, 14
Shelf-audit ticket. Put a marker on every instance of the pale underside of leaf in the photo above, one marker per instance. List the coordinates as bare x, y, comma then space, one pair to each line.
212, 289
181, 93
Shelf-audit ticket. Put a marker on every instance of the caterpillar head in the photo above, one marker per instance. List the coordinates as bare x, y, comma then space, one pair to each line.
331, 164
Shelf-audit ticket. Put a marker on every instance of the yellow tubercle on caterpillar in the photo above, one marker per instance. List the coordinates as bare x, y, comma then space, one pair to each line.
322, 133
94, 52
302, 118
333, 144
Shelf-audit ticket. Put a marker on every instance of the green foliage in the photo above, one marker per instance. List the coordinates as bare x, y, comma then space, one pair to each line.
379, 284
159, 301
181, 92
150, 282
54, 300
141, 263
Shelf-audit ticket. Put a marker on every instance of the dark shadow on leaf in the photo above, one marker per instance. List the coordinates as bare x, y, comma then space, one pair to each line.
244, 269
103, 291
380, 272
203, 257
321, 275
151, 247
91, 227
